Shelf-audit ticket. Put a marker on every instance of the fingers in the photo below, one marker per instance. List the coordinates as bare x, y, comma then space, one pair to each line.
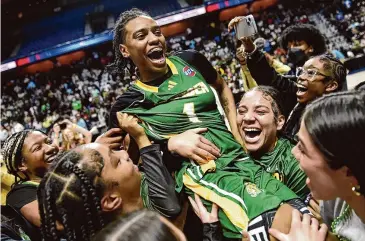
215, 150
306, 220
198, 159
323, 231
214, 212
314, 223
204, 154
199, 203
207, 152
115, 146
113, 131
233, 22
296, 219
195, 206
278, 235
245, 236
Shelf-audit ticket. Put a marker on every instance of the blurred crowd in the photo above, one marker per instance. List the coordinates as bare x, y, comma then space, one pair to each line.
83, 91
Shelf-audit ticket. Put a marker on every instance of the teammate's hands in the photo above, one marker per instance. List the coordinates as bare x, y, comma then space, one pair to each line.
202, 212
190, 144
129, 124
305, 229
113, 138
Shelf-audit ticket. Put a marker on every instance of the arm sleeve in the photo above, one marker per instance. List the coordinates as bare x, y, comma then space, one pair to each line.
201, 63
21, 196
161, 187
264, 74
120, 104
212, 232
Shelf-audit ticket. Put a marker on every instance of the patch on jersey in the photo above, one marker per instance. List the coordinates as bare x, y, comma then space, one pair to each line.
252, 189
189, 71
278, 176
172, 84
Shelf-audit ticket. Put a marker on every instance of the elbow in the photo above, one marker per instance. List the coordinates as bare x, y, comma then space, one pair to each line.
173, 211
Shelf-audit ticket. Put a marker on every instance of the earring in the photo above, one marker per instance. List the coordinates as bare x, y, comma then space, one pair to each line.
356, 190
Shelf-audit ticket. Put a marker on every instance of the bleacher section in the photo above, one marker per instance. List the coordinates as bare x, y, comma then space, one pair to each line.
70, 25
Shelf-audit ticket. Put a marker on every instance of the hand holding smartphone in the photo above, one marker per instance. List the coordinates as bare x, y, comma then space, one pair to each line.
246, 27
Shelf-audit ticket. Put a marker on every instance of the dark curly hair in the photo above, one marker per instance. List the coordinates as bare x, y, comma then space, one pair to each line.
120, 63
304, 32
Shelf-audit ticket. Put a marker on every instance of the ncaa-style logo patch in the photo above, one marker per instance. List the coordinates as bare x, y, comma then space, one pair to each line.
189, 71
252, 189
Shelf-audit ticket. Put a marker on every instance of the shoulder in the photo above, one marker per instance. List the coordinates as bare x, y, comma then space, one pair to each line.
21, 194
126, 99
200, 63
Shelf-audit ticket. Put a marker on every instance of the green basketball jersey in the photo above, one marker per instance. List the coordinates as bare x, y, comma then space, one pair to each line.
283, 166
183, 102
234, 182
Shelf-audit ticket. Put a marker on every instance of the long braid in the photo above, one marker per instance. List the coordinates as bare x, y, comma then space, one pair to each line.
12, 153
120, 63
69, 232
70, 195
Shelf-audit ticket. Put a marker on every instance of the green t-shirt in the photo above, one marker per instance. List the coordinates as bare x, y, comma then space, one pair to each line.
283, 166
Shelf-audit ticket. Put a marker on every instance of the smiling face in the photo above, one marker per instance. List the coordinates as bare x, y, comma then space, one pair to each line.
256, 122
324, 182
120, 175
311, 87
146, 46
38, 152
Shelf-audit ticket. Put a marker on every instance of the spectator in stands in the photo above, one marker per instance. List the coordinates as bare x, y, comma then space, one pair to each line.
141, 225
301, 41
329, 151
320, 75
260, 122
92, 185
81, 121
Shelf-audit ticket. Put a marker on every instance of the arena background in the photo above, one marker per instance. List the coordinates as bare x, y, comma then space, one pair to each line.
54, 50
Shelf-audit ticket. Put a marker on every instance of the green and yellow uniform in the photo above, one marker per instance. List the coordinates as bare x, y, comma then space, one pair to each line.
283, 166
234, 181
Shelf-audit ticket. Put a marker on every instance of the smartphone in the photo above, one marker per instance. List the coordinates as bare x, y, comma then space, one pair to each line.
246, 27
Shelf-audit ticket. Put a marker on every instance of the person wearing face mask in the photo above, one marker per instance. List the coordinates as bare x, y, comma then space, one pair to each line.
301, 41
321, 73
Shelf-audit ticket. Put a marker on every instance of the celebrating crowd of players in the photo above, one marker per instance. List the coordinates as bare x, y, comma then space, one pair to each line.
288, 144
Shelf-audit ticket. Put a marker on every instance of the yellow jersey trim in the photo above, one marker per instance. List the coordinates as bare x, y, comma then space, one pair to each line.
235, 213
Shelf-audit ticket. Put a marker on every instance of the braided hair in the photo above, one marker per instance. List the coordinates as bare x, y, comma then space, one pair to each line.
120, 63
12, 154
141, 225
337, 69
70, 195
